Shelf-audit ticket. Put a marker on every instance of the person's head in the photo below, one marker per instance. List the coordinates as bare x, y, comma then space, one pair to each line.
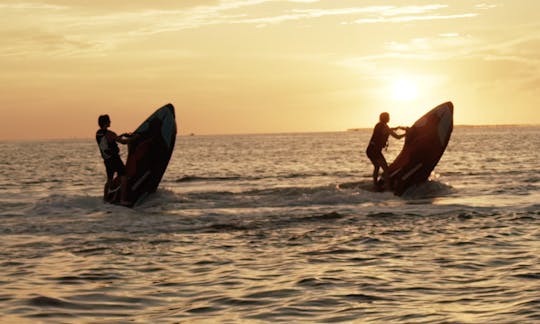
104, 121
384, 117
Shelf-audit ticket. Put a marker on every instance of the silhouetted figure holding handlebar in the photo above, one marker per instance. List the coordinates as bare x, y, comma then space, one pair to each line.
110, 153
379, 141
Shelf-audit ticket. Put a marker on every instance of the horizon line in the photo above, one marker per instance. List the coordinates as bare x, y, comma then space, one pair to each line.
190, 134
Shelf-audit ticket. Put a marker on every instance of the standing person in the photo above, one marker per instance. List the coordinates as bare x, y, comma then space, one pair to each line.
378, 141
106, 140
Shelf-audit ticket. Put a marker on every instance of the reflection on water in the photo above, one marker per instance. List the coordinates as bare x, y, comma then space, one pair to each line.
468, 267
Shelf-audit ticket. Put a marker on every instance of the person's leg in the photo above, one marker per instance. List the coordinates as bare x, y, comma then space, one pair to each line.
385, 175
374, 158
120, 169
380, 162
110, 174
383, 164
375, 174
106, 188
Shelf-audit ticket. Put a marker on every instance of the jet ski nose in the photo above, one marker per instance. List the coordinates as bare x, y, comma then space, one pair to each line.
450, 106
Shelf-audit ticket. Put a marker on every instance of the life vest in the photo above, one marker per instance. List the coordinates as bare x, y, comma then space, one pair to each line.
379, 138
107, 148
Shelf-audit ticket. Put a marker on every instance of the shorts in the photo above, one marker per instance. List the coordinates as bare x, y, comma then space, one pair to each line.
374, 155
115, 164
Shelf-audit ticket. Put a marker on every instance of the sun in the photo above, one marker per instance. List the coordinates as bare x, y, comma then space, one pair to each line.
404, 89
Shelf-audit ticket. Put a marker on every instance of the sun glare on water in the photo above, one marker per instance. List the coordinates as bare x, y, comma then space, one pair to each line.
404, 89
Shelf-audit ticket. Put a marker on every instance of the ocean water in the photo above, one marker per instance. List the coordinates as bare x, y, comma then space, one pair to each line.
268, 228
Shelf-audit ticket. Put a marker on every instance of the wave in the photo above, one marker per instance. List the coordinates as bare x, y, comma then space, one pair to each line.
342, 194
201, 179
62, 203
284, 196
428, 189
215, 208
232, 178
247, 211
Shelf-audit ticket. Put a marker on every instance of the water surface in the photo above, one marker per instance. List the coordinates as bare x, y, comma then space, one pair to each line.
255, 228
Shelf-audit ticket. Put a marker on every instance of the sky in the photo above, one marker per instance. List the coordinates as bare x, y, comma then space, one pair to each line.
264, 66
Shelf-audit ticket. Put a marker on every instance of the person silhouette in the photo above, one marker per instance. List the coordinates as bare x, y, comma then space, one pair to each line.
106, 140
379, 141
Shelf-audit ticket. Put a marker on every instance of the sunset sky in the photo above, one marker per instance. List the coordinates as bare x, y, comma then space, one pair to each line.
253, 66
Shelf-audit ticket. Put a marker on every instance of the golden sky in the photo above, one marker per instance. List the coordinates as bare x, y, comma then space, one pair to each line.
251, 66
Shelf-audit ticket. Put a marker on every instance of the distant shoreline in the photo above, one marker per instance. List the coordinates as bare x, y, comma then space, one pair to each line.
465, 126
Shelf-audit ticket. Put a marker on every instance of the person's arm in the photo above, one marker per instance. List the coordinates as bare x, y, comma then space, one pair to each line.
124, 138
400, 127
396, 135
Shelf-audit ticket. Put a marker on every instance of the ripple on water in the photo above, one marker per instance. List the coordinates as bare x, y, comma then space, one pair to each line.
96, 305
273, 294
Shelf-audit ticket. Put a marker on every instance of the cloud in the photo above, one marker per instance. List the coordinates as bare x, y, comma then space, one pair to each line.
106, 5
374, 14
298, 14
29, 41
485, 6
31, 6
409, 10
82, 27
473, 58
68, 27
413, 18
